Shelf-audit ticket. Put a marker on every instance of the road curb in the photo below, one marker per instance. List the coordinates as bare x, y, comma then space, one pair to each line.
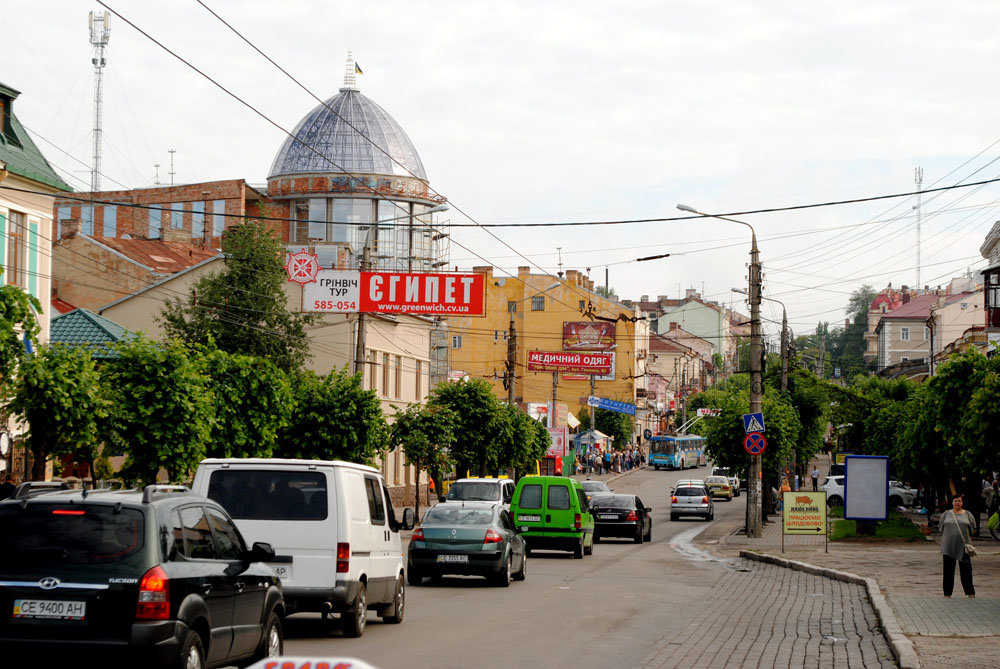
902, 647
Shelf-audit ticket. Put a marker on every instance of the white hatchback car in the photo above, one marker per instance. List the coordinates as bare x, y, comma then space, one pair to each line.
899, 495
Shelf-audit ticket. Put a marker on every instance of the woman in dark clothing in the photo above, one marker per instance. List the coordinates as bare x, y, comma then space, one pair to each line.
956, 531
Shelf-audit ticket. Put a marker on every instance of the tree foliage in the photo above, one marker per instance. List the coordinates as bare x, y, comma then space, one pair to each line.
244, 308
425, 434
526, 440
614, 424
58, 393
333, 419
253, 404
17, 320
479, 431
161, 409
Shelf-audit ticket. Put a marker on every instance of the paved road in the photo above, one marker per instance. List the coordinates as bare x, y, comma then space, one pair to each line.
660, 604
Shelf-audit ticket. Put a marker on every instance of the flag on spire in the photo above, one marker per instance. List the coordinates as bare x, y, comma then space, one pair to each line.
357, 69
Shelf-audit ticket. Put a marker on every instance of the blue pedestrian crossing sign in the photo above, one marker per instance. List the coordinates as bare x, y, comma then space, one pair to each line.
753, 422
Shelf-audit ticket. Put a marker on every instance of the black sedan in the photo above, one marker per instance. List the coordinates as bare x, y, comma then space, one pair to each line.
621, 516
470, 538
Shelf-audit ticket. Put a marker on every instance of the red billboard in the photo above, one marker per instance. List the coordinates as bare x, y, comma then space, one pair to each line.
587, 336
350, 291
560, 361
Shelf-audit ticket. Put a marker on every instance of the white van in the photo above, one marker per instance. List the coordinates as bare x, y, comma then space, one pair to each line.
332, 527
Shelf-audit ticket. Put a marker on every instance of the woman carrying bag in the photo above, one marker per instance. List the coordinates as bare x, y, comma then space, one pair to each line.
956, 546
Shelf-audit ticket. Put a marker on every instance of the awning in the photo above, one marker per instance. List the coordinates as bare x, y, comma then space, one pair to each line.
572, 420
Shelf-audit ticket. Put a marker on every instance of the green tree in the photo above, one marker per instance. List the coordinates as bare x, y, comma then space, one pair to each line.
162, 409
527, 440
58, 392
479, 433
244, 308
17, 320
614, 424
253, 404
333, 419
425, 433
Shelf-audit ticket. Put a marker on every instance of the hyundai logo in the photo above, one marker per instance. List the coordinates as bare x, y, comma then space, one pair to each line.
49, 582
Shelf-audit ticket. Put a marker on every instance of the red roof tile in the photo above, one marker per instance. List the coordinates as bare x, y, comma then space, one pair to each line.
163, 257
61, 306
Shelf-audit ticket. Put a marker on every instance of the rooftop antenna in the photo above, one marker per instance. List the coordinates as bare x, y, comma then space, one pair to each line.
172, 172
559, 251
918, 178
156, 174
100, 33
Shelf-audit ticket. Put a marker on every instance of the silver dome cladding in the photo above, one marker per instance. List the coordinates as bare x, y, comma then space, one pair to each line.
325, 142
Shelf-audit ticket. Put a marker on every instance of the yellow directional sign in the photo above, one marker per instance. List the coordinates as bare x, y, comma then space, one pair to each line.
803, 513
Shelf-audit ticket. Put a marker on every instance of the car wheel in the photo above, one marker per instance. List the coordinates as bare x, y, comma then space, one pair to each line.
673, 516
394, 614
895, 501
354, 619
522, 573
836, 501
578, 550
656, 467
588, 550
503, 578
192, 654
413, 577
682, 464
649, 533
597, 538
637, 539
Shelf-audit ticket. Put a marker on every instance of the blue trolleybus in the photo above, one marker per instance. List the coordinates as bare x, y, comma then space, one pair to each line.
677, 452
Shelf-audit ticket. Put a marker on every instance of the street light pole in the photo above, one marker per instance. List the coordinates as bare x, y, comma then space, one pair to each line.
755, 485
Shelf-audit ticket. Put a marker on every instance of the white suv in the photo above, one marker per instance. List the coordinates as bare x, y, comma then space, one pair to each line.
899, 495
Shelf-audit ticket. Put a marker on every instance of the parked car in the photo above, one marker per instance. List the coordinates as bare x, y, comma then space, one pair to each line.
621, 516
734, 480
332, 526
899, 494
834, 487
590, 487
158, 578
687, 482
718, 486
551, 512
473, 538
481, 490
691, 500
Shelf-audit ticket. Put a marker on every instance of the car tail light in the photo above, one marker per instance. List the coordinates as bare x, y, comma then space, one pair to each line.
343, 558
631, 516
154, 595
418, 535
68, 512
492, 537
577, 521
704, 500
673, 500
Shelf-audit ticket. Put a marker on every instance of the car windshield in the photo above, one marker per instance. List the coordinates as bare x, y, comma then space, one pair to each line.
595, 486
615, 502
690, 492
721, 471
453, 514
49, 535
474, 491
721, 480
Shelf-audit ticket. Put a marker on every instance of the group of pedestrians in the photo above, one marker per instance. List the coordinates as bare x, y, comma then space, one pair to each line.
606, 462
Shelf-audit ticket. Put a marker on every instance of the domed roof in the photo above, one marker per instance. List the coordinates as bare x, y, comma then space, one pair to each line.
332, 139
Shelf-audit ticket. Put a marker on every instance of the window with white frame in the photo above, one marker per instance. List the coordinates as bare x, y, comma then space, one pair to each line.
904, 334
538, 303
927, 333
16, 271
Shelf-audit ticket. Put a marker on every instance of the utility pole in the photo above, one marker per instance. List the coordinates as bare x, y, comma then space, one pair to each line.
592, 425
754, 488
552, 411
359, 352
511, 360
784, 349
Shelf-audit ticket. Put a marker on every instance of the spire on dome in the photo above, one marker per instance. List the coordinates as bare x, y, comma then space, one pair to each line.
351, 74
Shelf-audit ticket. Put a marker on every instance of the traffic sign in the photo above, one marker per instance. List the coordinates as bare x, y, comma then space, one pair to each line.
753, 422
754, 443
611, 405
647, 434
709, 412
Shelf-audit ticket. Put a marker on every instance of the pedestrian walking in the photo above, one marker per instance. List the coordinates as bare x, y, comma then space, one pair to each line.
7, 488
815, 477
956, 535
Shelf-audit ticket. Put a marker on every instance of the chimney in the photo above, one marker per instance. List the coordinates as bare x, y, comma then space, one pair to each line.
689, 293
573, 276
847, 323
675, 326
644, 298
521, 271
483, 269
70, 228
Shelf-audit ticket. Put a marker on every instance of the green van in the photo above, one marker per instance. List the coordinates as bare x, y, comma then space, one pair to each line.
552, 512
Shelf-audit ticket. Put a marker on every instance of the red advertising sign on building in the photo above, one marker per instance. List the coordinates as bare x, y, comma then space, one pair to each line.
560, 361
587, 336
333, 291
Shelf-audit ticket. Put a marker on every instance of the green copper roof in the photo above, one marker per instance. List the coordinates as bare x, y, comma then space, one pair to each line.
82, 327
20, 153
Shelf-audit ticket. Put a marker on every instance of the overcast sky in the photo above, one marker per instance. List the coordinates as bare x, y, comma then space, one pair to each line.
561, 111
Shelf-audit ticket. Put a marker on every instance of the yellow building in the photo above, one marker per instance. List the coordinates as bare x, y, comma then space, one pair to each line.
545, 308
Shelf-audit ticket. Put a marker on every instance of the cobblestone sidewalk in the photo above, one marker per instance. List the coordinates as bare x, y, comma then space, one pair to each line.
761, 615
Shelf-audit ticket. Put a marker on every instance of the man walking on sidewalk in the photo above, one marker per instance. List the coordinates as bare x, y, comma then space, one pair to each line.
815, 478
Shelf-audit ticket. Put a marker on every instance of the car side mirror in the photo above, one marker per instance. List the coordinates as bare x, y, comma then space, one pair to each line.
408, 519
261, 552
649, 509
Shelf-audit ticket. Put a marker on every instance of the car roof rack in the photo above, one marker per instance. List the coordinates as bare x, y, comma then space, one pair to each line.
150, 490
32, 488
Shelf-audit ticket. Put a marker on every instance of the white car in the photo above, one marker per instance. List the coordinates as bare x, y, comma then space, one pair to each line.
899, 495
482, 490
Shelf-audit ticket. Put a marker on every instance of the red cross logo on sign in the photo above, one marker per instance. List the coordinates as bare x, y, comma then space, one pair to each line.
302, 267
754, 443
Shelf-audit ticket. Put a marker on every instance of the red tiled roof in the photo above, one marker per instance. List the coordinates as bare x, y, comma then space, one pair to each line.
163, 257
917, 308
61, 306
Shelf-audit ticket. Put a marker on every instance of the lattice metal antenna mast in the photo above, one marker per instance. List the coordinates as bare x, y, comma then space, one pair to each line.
100, 33
918, 178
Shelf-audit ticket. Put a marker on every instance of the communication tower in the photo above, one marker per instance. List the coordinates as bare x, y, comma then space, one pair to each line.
100, 33
918, 178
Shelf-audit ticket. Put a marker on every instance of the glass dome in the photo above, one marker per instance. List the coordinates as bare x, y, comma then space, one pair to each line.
325, 141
